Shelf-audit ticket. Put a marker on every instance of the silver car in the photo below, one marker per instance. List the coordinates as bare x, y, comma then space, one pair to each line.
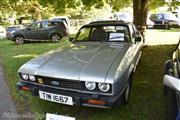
94, 70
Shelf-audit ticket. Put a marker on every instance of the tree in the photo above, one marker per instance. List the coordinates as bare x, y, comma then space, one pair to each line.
140, 10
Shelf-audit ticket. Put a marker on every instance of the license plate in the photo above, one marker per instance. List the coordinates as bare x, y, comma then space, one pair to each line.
56, 98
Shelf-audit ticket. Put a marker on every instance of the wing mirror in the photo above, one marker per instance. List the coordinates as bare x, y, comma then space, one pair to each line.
138, 39
172, 82
138, 36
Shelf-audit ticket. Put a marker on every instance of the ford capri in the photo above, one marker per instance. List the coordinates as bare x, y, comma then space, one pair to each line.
95, 70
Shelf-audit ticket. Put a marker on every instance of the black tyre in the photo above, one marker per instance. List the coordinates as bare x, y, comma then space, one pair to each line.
167, 26
171, 105
56, 37
19, 40
124, 99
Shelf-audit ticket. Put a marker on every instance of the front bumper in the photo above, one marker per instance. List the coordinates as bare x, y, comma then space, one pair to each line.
79, 99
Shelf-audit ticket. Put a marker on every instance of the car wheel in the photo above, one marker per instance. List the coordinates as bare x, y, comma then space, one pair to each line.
167, 26
56, 37
123, 100
171, 105
19, 40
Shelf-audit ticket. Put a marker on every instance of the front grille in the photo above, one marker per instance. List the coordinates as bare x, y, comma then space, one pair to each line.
61, 83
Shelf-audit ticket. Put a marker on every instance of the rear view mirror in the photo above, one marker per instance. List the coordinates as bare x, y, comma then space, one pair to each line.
172, 82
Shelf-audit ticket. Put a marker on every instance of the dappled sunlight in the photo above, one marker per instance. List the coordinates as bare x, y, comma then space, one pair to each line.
25, 56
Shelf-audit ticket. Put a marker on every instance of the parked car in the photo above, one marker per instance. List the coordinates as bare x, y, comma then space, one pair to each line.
10, 30
52, 30
95, 70
164, 20
123, 16
2, 32
172, 85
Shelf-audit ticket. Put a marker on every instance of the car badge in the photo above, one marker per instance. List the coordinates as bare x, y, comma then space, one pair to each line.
55, 83
40, 80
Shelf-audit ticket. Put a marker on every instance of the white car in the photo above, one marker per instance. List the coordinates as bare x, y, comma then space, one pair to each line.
2, 32
63, 18
123, 16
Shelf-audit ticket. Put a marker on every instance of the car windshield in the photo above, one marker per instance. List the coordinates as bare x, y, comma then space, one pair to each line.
103, 34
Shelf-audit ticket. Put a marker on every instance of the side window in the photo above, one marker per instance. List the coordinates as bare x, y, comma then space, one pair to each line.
35, 26
45, 24
84, 34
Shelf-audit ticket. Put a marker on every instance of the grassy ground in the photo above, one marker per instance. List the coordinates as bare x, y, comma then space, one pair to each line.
171, 30
146, 102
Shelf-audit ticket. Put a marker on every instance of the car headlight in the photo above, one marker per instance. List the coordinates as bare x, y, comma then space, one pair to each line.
25, 76
104, 87
90, 85
32, 77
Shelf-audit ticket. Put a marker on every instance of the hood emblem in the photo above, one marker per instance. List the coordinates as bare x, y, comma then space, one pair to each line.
55, 83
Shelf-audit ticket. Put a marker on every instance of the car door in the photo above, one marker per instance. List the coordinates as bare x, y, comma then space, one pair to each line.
31, 32
44, 30
137, 46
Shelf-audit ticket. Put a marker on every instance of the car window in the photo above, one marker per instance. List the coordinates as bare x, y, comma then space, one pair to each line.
104, 33
35, 26
159, 17
45, 24
83, 34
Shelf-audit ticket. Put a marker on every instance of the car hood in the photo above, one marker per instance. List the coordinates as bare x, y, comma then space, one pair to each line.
84, 61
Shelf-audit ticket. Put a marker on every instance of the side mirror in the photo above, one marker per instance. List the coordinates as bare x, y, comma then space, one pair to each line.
172, 82
138, 39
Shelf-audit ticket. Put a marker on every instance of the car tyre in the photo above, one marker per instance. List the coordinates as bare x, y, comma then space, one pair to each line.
55, 37
171, 105
19, 40
124, 99
167, 26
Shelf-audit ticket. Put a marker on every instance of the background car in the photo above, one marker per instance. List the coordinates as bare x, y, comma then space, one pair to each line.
2, 32
52, 30
149, 23
164, 20
172, 85
95, 70
12, 29
123, 16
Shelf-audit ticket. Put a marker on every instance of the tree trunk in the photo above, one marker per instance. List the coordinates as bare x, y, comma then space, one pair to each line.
38, 15
140, 11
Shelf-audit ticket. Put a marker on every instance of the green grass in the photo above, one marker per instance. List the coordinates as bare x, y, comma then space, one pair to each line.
170, 30
146, 102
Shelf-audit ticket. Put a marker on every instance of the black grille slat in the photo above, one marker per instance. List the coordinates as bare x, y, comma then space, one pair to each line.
70, 84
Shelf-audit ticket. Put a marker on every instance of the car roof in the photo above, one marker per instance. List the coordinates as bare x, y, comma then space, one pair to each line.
107, 22
49, 21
